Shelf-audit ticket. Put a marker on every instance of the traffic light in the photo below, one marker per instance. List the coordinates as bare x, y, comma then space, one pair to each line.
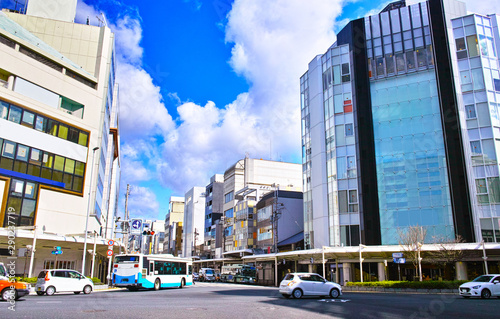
148, 232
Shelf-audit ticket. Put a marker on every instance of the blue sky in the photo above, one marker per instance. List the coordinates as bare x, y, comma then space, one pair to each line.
205, 82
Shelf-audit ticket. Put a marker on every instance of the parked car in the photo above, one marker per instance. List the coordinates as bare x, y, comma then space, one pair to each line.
61, 280
483, 286
11, 290
308, 284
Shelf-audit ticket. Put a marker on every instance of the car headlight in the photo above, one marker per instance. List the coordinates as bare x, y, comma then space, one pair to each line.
476, 287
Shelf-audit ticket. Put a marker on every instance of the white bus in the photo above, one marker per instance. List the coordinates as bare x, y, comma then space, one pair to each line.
135, 271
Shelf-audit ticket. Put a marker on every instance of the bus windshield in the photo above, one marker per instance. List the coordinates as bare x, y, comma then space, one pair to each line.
126, 259
209, 272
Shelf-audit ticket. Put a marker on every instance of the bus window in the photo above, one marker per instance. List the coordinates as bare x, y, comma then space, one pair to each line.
190, 270
126, 259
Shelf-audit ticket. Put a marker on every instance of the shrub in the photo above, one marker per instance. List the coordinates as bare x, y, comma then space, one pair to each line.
29, 280
96, 281
410, 284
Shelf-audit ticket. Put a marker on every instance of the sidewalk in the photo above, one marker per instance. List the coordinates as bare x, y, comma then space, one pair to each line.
97, 288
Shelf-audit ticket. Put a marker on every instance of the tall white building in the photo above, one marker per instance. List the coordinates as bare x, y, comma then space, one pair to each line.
59, 133
194, 216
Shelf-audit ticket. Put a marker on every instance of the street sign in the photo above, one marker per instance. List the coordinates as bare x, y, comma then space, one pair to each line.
111, 242
397, 255
136, 226
57, 252
110, 253
399, 260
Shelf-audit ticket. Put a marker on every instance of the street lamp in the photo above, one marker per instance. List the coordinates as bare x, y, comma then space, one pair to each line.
88, 211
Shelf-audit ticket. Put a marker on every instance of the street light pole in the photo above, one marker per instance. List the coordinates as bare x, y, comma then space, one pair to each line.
88, 211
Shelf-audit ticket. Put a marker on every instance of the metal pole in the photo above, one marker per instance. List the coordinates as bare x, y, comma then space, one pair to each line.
125, 236
360, 263
93, 256
419, 262
275, 271
32, 252
485, 258
323, 252
337, 275
88, 211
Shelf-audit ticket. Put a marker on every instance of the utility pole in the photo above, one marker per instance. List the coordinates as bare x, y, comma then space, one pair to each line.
125, 222
275, 216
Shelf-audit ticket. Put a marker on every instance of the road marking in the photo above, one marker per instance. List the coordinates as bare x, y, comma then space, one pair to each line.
334, 300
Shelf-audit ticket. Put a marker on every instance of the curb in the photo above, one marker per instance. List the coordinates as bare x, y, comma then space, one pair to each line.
399, 290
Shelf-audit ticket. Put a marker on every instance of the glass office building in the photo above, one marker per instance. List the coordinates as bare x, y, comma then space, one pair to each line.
398, 128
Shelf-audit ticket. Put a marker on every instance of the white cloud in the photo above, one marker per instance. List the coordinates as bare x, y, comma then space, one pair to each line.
142, 202
128, 32
273, 42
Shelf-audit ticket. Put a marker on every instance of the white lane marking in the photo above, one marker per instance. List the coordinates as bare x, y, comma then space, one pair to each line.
334, 300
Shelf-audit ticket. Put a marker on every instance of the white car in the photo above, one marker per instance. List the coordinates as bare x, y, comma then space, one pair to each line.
62, 280
308, 284
483, 286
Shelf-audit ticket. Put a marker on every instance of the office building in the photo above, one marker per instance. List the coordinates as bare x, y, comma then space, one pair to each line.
59, 135
173, 226
213, 212
244, 185
194, 220
400, 126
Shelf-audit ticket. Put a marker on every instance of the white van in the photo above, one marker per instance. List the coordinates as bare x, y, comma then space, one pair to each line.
62, 280
207, 274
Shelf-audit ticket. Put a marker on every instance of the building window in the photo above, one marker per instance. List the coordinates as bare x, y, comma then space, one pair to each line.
345, 73
353, 201
470, 111
228, 197
21, 203
349, 130
475, 147
351, 167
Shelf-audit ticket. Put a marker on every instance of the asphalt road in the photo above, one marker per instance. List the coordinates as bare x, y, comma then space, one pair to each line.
219, 300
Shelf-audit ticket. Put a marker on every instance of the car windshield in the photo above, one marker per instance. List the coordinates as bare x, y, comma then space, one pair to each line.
483, 279
209, 272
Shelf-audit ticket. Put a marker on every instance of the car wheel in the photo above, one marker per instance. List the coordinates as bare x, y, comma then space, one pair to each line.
157, 284
40, 293
485, 294
76, 292
286, 296
334, 293
50, 291
297, 293
87, 289
8, 294
183, 283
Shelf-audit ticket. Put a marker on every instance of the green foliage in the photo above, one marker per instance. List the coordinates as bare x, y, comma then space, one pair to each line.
96, 281
410, 284
29, 280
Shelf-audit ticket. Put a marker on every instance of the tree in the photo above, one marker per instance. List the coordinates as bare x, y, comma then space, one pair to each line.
411, 240
448, 253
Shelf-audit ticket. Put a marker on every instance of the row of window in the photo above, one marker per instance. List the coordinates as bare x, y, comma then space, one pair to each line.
170, 268
40, 58
41, 123
28, 160
400, 63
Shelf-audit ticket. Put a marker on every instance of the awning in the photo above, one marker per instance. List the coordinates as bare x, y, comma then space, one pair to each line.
292, 240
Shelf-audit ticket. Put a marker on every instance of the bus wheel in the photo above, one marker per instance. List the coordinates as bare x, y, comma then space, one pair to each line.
157, 284
183, 283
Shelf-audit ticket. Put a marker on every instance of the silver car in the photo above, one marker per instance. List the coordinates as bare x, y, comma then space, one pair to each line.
308, 284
